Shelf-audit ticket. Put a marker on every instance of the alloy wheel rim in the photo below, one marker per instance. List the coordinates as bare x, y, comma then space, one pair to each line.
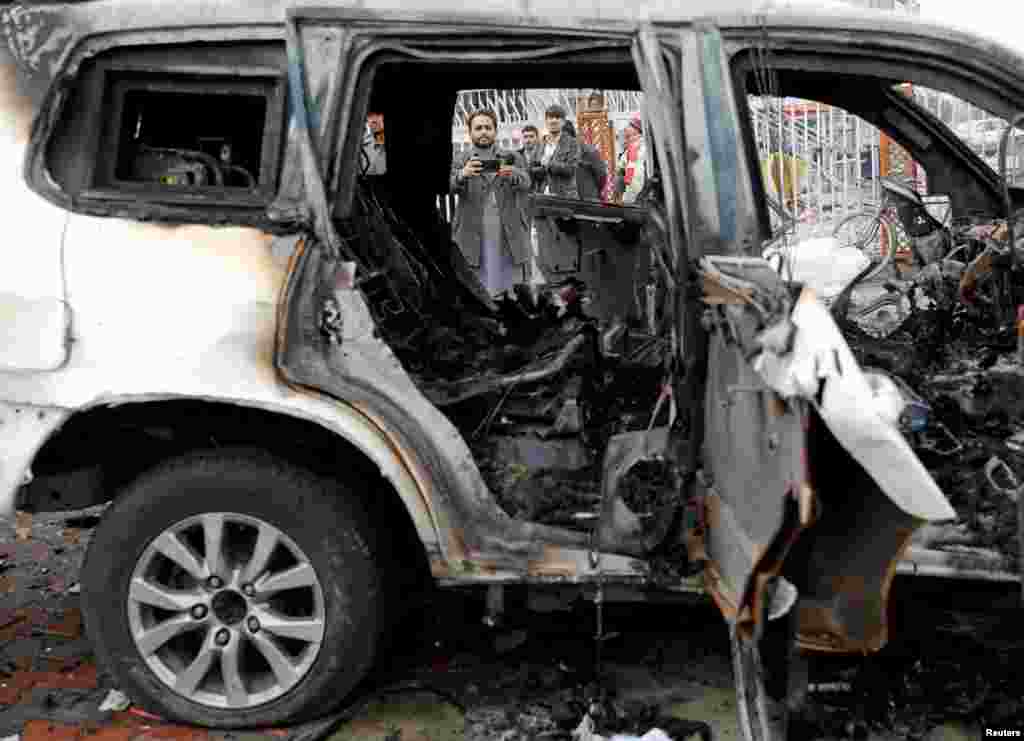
226, 610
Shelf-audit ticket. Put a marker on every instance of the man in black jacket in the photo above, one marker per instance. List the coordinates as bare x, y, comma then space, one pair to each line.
592, 172
531, 151
559, 157
557, 251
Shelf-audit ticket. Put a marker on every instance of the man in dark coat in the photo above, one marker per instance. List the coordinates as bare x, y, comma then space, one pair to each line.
490, 223
559, 157
531, 152
557, 251
592, 172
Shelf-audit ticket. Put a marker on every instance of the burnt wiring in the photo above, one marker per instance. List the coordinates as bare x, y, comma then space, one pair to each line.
485, 424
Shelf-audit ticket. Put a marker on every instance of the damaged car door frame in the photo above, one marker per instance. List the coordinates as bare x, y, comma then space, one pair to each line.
761, 435
326, 343
345, 360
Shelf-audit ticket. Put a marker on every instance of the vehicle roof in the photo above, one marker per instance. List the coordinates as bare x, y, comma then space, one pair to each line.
70, 22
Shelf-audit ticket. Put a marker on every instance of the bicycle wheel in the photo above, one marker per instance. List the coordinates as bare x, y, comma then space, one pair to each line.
871, 234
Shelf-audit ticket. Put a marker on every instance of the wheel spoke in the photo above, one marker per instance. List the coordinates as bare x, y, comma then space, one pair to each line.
238, 696
190, 679
302, 629
280, 664
150, 640
183, 650
266, 542
171, 546
300, 575
155, 595
213, 538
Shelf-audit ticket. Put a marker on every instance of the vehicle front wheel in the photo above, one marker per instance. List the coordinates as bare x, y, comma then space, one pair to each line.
233, 590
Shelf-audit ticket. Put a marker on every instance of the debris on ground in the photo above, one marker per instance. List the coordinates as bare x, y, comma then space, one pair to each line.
83, 522
115, 700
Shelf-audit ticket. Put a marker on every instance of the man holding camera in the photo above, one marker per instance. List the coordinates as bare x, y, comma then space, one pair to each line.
491, 224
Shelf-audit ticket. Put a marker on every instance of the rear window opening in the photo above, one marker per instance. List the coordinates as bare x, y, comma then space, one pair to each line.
163, 141
186, 135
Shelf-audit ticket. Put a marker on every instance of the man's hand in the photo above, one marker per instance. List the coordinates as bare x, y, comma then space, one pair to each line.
506, 170
472, 168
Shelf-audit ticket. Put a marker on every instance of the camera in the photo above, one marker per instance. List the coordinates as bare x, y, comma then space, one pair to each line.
504, 160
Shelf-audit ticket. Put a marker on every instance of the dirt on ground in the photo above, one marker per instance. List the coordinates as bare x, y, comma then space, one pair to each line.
948, 669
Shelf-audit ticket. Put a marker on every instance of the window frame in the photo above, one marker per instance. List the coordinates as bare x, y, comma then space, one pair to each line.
118, 79
371, 44
812, 55
64, 140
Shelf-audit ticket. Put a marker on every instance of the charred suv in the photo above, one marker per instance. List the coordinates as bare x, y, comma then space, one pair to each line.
301, 404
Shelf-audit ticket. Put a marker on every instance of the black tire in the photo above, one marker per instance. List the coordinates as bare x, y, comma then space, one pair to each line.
324, 520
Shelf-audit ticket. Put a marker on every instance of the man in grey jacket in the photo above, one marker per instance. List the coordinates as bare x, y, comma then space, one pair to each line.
559, 157
557, 251
490, 223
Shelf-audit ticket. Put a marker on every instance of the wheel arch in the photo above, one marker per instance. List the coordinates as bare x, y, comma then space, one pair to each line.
104, 445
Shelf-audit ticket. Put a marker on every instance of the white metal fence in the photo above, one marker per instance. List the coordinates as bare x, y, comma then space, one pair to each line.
820, 163
516, 108
827, 162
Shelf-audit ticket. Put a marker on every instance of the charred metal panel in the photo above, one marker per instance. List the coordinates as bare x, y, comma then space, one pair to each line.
843, 565
754, 453
37, 40
620, 530
322, 49
327, 343
872, 489
722, 194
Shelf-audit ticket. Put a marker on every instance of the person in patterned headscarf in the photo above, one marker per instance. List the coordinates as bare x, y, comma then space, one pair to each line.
632, 165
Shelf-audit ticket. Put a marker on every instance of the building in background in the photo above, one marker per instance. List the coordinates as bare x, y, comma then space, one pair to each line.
910, 7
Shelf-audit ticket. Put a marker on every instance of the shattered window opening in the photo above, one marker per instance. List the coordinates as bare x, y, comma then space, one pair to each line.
930, 328
175, 150
979, 129
539, 375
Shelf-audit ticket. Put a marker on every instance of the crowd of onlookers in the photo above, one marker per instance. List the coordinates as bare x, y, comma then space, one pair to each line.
596, 180
492, 223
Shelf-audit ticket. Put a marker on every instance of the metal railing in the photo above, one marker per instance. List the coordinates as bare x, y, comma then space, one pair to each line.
517, 108
821, 163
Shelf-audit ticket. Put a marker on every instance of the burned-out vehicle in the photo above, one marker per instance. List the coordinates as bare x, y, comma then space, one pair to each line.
301, 404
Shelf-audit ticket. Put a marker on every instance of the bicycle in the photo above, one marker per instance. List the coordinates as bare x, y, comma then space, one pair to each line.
891, 232
902, 232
